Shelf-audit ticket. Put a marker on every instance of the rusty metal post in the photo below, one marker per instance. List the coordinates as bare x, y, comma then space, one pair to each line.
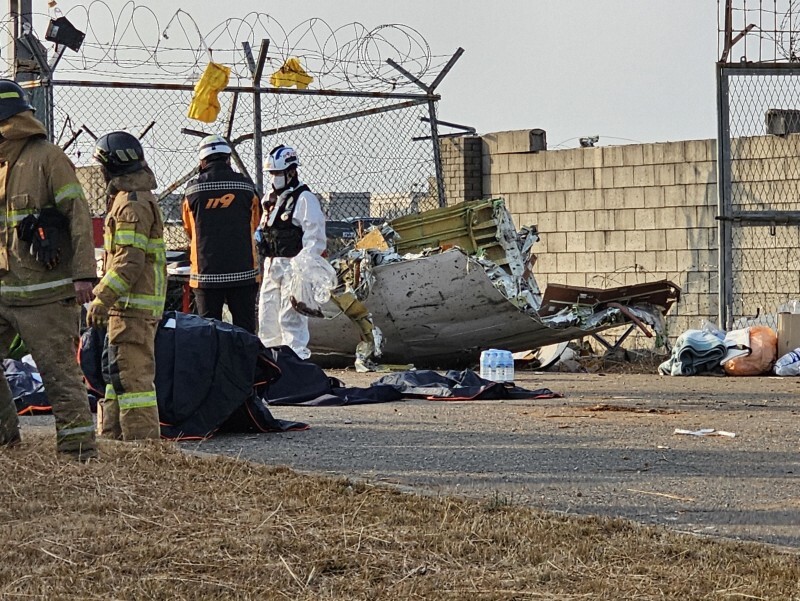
437, 154
256, 70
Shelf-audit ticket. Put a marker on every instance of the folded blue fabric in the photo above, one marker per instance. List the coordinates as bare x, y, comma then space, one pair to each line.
695, 352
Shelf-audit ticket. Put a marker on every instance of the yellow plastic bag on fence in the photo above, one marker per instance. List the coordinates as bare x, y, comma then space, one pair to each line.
205, 104
291, 74
764, 352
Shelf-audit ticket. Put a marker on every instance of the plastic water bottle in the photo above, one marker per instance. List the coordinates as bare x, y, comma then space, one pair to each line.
484, 372
489, 365
508, 366
502, 362
493, 367
497, 365
505, 366
500, 367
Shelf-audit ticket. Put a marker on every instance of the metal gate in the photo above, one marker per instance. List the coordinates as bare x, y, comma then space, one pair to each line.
759, 179
758, 162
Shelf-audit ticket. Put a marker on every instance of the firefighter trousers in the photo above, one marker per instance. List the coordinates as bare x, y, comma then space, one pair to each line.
50, 333
129, 410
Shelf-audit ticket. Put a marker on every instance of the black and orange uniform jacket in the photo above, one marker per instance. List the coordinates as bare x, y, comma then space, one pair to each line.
221, 211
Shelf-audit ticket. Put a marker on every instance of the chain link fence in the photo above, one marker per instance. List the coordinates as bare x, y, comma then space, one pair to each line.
759, 156
365, 155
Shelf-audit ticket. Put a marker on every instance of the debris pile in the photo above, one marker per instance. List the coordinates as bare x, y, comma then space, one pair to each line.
440, 286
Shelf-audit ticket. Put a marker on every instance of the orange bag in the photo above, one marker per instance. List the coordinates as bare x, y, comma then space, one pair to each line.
764, 345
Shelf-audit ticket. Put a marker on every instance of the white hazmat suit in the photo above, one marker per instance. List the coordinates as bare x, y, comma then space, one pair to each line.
278, 322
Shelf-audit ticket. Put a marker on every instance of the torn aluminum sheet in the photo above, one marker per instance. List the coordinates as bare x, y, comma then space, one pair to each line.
441, 309
483, 229
523, 292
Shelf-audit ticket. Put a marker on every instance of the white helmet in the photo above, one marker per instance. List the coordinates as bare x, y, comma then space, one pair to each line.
213, 144
281, 158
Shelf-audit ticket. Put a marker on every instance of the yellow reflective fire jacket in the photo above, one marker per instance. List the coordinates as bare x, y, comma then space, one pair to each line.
35, 174
134, 282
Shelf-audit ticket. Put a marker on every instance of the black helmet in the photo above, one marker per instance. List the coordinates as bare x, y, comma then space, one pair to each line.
13, 99
119, 152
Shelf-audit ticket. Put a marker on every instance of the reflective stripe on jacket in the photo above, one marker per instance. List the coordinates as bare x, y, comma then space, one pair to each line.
135, 266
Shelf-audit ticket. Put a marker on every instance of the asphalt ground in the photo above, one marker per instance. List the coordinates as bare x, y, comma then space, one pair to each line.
608, 448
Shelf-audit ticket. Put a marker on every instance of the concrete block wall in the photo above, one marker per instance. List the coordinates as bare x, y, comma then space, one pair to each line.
461, 166
615, 215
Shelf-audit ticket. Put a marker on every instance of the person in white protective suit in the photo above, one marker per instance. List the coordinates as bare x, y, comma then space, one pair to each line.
292, 222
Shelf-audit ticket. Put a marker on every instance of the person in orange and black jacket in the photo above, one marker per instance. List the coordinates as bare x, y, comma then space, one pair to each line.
221, 211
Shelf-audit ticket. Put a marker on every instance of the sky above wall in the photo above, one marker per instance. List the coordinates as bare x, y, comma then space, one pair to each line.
625, 70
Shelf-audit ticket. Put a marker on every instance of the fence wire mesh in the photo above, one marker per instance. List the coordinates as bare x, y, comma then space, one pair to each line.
764, 170
766, 271
358, 153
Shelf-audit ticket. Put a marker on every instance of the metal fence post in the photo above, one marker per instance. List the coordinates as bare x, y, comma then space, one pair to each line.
724, 200
437, 155
41, 97
256, 69
258, 150
429, 90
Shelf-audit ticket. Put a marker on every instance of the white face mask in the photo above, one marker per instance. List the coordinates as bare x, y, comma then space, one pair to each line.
278, 180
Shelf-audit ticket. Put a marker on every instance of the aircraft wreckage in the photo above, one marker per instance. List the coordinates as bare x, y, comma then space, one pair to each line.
438, 287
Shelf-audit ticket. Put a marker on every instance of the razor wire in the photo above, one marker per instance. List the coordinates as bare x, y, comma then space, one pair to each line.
134, 43
763, 31
358, 154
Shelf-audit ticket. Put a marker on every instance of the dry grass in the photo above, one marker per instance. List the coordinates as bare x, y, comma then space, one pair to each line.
149, 522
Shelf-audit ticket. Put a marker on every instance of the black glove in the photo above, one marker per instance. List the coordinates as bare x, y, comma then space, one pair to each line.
45, 247
44, 234
262, 244
27, 227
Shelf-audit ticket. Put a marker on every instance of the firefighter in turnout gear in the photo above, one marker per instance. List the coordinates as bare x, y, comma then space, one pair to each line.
292, 222
221, 212
129, 299
46, 261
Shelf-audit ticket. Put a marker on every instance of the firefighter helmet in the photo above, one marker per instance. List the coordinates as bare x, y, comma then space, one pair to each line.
281, 158
13, 99
213, 144
119, 152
